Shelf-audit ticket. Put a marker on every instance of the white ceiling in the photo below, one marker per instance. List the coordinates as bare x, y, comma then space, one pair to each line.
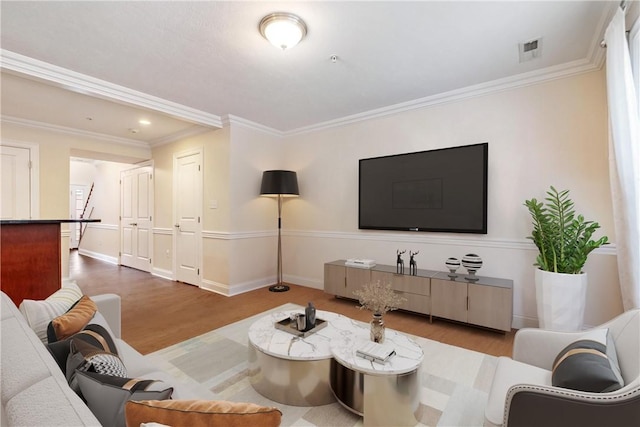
210, 58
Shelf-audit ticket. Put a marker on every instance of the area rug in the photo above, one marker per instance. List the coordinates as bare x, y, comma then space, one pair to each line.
454, 381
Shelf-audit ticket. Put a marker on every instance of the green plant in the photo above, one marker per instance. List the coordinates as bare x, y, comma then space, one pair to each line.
562, 237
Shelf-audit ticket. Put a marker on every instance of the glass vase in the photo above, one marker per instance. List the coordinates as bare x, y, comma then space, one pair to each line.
377, 328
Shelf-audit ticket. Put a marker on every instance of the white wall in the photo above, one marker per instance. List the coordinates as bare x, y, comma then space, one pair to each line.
547, 134
253, 244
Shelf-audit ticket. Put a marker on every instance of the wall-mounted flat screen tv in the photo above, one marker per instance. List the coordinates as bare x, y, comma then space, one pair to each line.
442, 190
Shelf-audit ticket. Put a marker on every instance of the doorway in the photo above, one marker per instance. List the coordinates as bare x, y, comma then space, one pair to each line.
187, 212
136, 208
19, 181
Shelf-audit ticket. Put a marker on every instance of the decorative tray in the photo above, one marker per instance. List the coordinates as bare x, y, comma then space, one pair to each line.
288, 326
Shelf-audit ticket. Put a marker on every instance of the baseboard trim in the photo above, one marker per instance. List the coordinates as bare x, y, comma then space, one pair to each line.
96, 255
520, 322
160, 272
218, 288
303, 281
231, 290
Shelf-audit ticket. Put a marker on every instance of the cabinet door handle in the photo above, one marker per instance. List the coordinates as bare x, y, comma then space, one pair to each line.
345, 282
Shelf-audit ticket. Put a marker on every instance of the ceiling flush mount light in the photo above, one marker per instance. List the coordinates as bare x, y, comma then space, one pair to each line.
283, 30
144, 122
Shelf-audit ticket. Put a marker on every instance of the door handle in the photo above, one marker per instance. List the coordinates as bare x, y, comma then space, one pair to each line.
176, 225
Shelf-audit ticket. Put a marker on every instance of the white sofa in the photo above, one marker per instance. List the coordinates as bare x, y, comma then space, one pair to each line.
34, 389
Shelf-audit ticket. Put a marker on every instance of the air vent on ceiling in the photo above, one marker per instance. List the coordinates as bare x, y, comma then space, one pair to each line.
530, 49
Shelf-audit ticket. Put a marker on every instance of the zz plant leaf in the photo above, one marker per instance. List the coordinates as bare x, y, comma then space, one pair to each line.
564, 239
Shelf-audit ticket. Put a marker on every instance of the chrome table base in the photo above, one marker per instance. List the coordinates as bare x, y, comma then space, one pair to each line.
382, 400
291, 382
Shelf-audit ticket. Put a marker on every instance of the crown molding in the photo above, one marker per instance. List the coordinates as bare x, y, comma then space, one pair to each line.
229, 119
192, 131
592, 62
513, 82
72, 131
87, 85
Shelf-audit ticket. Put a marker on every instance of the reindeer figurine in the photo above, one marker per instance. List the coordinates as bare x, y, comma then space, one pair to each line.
413, 265
400, 262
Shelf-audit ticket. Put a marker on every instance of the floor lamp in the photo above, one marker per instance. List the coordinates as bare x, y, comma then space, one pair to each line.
282, 184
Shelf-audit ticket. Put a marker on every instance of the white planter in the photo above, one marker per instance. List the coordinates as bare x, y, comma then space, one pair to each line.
560, 299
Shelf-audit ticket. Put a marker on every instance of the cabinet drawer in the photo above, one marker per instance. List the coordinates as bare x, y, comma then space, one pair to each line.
414, 284
404, 283
416, 303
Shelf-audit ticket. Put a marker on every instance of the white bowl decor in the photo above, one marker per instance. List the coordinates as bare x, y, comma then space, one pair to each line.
452, 264
472, 263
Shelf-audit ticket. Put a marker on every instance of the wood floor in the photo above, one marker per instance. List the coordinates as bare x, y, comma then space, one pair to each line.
158, 312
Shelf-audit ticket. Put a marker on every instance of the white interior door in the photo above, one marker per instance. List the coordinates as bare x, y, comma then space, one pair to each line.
15, 183
136, 217
187, 213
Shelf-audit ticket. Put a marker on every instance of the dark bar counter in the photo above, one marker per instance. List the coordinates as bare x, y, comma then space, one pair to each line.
31, 257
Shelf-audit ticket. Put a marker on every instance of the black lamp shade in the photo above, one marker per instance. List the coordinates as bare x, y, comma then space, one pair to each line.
279, 182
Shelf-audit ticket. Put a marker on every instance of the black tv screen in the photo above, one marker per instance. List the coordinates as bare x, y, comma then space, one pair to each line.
441, 190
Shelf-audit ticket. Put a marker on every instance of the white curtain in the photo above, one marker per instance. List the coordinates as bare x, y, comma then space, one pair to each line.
634, 52
624, 155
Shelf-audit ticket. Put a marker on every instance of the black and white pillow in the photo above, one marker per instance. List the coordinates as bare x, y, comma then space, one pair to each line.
85, 357
94, 334
106, 395
589, 364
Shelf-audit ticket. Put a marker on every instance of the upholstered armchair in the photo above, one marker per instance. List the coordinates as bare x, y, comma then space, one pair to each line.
522, 393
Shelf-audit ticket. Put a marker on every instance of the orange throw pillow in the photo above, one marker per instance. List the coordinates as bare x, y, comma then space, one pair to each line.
75, 319
201, 413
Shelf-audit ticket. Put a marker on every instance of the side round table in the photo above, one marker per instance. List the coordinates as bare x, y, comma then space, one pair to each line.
383, 394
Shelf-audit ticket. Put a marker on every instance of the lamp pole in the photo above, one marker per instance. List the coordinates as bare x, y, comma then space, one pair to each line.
279, 239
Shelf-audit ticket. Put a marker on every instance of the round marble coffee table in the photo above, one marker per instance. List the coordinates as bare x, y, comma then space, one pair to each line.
383, 394
290, 369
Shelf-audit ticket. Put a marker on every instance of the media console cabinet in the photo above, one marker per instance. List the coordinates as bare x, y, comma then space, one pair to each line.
486, 302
